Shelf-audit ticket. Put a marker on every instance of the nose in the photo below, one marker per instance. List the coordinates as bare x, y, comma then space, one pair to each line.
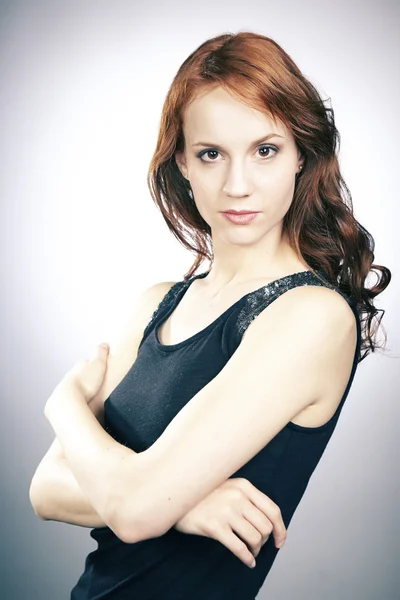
237, 182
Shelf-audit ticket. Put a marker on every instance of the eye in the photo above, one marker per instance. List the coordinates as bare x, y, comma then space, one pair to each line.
214, 151
276, 150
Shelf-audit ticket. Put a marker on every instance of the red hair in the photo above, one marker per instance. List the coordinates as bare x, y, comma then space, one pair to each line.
320, 223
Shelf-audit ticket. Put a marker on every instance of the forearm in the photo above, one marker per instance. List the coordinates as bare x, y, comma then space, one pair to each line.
101, 466
56, 496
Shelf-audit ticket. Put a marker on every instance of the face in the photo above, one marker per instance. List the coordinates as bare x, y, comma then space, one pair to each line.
237, 158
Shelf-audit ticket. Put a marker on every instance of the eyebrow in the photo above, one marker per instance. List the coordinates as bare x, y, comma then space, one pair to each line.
255, 143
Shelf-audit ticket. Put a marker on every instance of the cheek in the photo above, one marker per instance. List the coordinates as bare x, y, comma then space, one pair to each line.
278, 183
205, 194
204, 204
276, 177
204, 181
277, 195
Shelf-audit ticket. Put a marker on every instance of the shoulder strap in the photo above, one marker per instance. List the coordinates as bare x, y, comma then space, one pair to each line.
167, 302
162, 307
256, 301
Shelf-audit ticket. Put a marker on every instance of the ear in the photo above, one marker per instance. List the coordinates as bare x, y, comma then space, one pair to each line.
181, 162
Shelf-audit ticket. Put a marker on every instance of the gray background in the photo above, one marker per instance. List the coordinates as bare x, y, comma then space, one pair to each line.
82, 86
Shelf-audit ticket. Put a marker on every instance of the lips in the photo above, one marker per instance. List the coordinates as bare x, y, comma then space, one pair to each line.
240, 212
240, 218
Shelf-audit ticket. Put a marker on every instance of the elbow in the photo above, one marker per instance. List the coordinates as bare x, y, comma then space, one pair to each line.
132, 525
135, 511
36, 498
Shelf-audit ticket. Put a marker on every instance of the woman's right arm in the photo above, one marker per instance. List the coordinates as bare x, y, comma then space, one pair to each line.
63, 499
54, 492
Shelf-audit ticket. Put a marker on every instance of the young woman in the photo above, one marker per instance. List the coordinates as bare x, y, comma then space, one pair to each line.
196, 440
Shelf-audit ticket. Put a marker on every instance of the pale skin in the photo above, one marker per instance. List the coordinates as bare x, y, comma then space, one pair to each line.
283, 370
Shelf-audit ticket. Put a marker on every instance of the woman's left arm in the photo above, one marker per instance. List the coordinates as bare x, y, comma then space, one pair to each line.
287, 357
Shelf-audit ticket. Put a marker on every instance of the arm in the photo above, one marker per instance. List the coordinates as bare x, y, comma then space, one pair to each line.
287, 358
54, 492
210, 518
64, 500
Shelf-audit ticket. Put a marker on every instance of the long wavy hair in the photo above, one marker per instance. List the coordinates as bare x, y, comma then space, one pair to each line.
320, 223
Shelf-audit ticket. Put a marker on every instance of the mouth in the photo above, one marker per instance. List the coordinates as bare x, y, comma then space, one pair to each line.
240, 218
240, 212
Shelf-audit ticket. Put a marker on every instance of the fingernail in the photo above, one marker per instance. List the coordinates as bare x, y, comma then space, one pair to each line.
253, 564
280, 544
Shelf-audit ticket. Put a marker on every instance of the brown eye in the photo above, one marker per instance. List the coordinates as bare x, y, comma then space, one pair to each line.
201, 154
268, 148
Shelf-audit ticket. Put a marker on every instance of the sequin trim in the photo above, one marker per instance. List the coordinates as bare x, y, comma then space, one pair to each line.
256, 301
165, 302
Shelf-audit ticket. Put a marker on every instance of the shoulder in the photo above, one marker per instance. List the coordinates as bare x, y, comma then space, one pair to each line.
309, 335
125, 341
312, 325
144, 307
325, 315
152, 296
331, 309
311, 306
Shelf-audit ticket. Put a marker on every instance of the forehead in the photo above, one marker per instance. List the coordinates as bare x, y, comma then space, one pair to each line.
218, 114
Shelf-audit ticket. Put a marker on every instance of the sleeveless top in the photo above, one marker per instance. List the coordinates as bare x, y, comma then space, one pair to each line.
163, 378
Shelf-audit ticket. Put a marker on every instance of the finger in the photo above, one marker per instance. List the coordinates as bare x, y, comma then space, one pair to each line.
249, 534
258, 519
269, 508
103, 349
226, 536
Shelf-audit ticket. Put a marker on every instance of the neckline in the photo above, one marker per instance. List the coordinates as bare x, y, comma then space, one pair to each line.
170, 347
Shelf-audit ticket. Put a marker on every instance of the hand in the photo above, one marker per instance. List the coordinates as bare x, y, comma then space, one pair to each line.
88, 375
236, 506
84, 379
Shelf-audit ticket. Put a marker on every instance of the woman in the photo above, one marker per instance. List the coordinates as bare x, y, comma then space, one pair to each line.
217, 409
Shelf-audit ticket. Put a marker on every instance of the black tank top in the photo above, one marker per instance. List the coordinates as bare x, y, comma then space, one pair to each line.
163, 378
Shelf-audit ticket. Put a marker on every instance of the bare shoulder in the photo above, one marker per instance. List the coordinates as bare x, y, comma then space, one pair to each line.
310, 306
333, 326
323, 314
138, 317
124, 348
316, 322
332, 311
329, 303
128, 341
148, 301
